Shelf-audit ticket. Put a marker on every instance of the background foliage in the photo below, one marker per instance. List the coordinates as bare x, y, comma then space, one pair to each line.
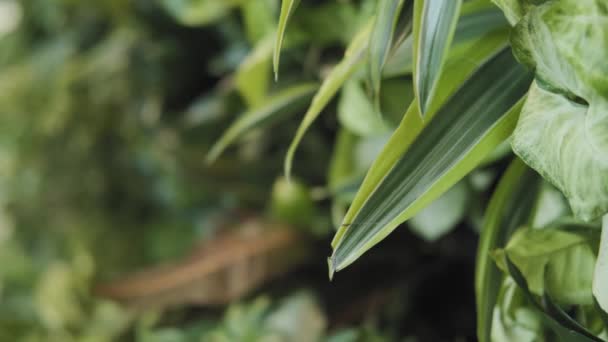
175, 170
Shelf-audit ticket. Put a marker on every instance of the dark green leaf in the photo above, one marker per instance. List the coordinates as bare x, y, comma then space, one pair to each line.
434, 26
511, 206
476, 119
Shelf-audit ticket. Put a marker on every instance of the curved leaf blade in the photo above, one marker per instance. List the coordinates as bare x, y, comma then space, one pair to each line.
511, 206
571, 333
412, 124
600, 277
287, 9
353, 58
434, 26
381, 38
274, 108
444, 152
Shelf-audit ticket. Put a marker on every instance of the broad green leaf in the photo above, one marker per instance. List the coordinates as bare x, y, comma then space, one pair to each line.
479, 116
552, 207
552, 138
199, 12
412, 124
441, 216
381, 39
252, 78
287, 9
434, 26
566, 330
563, 133
564, 259
286, 102
511, 206
513, 319
600, 278
357, 113
353, 58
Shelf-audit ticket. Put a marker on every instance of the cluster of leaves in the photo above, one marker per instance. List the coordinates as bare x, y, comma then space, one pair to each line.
137, 100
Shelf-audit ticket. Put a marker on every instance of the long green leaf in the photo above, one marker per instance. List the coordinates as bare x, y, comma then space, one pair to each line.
275, 108
511, 206
477, 19
434, 26
253, 77
568, 333
381, 38
353, 58
412, 124
600, 278
287, 8
470, 125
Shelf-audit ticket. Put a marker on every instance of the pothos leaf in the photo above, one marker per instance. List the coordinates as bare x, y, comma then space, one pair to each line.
600, 278
552, 138
565, 331
563, 258
434, 26
563, 132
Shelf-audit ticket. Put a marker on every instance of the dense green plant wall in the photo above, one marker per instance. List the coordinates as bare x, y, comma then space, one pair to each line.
222, 144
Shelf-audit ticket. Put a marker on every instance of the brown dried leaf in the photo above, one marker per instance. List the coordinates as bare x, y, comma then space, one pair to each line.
223, 270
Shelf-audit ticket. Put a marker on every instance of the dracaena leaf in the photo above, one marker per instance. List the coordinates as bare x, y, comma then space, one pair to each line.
353, 58
381, 38
478, 117
287, 9
434, 26
511, 206
412, 124
278, 106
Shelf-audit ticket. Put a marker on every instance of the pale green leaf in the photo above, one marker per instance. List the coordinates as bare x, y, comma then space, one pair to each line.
286, 102
552, 138
287, 9
357, 113
566, 329
561, 260
381, 38
469, 126
434, 26
441, 216
252, 78
511, 206
600, 278
412, 124
568, 116
513, 319
353, 58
